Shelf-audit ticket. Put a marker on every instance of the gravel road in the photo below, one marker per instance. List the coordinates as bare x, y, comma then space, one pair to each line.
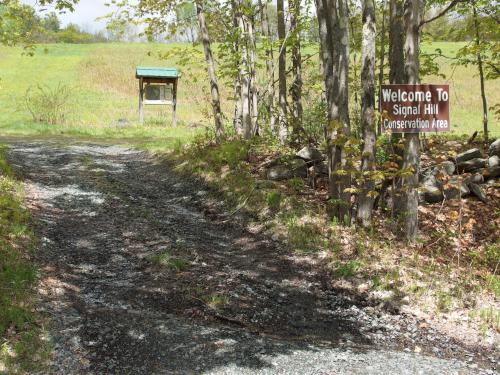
228, 300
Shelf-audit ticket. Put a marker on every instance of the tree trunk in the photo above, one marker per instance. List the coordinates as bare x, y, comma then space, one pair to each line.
238, 110
382, 54
214, 88
296, 89
283, 126
365, 205
254, 103
481, 73
411, 157
266, 31
334, 38
244, 72
397, 76
343, 105
396, 43
326, 55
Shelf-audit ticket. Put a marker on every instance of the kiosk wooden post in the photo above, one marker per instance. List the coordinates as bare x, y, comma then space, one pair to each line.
141, 102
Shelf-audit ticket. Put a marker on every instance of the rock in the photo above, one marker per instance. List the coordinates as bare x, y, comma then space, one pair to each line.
453, 144
478, 192
310, 154
430, 190
427, 172
444, 168
455, 188
473, 153
493, 182
490, 173
476, 178
495, 148
321, 169
471, 165
493, 161
448, 167
123, 122
431, 194
288, 169
431, 180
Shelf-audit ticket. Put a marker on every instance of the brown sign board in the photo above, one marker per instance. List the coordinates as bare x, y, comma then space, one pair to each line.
415, 108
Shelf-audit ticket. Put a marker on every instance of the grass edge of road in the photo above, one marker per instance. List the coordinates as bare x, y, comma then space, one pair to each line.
24, 346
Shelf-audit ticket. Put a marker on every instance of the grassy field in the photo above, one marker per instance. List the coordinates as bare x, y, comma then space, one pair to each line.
104, 90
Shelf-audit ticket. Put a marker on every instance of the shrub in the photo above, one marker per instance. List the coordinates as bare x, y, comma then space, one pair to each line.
49, 105
313, 120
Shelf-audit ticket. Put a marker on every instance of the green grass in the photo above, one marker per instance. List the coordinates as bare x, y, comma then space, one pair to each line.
347, 269
105, 90
165, 259
21, 345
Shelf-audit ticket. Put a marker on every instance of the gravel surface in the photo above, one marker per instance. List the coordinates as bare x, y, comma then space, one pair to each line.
226, 300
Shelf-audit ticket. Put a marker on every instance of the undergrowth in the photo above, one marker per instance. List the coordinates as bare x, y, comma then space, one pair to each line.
22, 344
374, 260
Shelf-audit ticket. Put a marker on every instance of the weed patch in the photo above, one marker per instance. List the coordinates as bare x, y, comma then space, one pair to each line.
347, 269
165, 259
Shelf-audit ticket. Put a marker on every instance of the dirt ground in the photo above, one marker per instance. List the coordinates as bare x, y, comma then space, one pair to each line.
143, 273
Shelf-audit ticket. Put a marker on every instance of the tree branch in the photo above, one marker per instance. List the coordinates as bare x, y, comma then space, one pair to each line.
450, 6
494, 67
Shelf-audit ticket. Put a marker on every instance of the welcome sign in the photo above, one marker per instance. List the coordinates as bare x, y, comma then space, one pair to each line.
415, 108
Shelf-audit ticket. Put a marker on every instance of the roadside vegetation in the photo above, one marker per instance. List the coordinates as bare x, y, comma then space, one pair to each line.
450, 274
22, 346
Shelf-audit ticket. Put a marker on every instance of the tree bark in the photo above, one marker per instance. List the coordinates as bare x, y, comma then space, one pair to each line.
334, 38
266, 30
282, 118
246, 116
365, 205
326, 55
411, 157
396, 43
397, 76
344, 213
214, 88
382, 54
296, 89
254, 103
238, 110
481, 72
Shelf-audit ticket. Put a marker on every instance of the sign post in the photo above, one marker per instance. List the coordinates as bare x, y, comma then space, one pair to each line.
418, 108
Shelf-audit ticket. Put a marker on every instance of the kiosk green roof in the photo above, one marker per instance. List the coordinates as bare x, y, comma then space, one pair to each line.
154, 72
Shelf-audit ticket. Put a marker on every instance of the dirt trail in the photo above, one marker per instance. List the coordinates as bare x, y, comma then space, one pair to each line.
239, 304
